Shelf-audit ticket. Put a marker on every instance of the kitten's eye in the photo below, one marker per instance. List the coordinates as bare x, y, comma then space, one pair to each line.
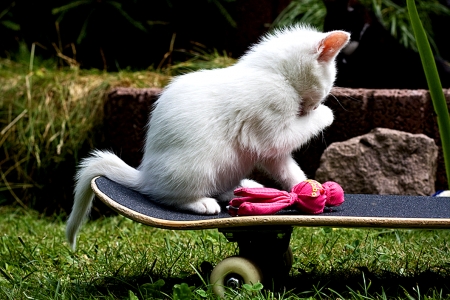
315, 107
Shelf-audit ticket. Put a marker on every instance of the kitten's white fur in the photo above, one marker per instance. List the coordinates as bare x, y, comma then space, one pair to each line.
209, 129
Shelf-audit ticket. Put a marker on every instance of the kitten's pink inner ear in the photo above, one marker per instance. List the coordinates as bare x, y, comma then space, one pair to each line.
332, 44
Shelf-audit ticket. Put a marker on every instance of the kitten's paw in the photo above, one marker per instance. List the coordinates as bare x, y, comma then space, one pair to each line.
248, 183
203, 206
325, 114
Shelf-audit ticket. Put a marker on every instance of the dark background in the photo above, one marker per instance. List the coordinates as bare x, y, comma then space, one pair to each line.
137, 34
109, 40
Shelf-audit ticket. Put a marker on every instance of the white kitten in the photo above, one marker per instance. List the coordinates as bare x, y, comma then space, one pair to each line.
209, 129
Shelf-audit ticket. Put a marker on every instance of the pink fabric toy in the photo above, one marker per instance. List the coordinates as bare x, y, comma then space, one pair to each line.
308, 196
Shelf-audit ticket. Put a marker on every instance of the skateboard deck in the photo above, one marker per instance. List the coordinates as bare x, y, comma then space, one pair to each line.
357, 211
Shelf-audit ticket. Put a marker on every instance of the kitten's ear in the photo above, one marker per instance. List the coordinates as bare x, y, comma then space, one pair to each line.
330, 46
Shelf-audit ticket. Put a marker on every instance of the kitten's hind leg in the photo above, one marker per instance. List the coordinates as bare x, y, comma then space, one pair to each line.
202, 206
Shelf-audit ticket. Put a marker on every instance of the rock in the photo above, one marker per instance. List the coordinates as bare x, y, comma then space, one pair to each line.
358, 111
384, 161
126, 114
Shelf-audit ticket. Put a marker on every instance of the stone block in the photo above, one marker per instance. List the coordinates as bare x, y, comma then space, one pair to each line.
384, 161
126, 115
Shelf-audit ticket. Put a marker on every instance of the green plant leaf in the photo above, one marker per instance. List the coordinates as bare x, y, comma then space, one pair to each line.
201, 293
312, 12
253, 287
11, 25
82, 33
182, 292
69, 6
132, 296
153, 289
434, 83
225, 13
7, 10
118, 7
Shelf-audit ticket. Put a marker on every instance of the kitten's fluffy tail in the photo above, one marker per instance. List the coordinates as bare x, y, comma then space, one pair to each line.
100, 163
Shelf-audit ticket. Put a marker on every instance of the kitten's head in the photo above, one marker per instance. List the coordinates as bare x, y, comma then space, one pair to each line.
304, 57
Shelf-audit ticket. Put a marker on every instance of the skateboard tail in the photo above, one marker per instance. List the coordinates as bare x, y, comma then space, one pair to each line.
100, 163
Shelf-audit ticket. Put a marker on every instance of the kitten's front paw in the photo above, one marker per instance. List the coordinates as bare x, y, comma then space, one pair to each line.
204, 206
324, 115
248, 183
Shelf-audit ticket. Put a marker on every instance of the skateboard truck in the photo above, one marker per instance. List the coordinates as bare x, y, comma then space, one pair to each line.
264, 256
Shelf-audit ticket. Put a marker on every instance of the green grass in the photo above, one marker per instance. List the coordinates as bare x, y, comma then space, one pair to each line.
47, 116
120, 259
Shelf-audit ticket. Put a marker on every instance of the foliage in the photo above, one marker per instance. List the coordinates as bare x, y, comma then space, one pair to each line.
6, 18
311, 12
393, 14
90, 7
434, 83
94, 7
121, 259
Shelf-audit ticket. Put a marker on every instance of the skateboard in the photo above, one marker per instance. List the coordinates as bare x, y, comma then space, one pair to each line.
263, 241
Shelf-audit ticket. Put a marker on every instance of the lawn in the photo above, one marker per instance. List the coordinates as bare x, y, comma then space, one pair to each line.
120, 259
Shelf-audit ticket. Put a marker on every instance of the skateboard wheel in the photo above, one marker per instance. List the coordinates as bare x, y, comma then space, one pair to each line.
232, 272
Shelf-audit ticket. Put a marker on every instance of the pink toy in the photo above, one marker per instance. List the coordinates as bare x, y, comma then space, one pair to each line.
308, 196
